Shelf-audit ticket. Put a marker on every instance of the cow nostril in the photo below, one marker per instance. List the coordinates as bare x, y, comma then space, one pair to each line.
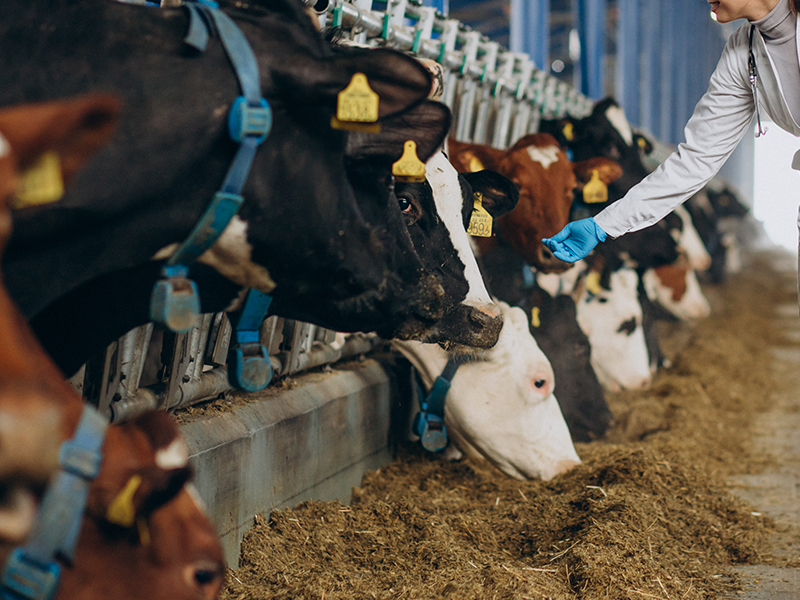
478, 318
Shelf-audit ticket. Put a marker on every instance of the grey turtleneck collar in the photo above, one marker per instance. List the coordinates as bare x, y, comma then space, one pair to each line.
779, 25
779, 30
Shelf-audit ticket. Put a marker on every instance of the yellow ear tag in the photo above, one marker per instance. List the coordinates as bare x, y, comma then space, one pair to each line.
569, 132
357, 106
480, 224
593, 283
595, 191
409, 167
475, 164
642, 142
144, 531
535, 320
42, 183
121, 510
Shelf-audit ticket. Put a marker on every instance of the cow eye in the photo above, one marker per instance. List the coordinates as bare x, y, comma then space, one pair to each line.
405, 205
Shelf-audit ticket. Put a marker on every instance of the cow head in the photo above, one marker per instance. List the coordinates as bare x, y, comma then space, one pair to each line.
546, 183
437, 213
675, 288
609, 313
554, 326
606, 132
501, 408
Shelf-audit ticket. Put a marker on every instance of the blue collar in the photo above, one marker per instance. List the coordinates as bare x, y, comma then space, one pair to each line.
32, 571
175, 301
429, 421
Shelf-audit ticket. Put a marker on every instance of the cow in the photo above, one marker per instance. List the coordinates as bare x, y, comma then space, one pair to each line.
500, 406
547, 181
447, 198
609, 312
161, 536
605, 132
319, 220
675, 288
554, 326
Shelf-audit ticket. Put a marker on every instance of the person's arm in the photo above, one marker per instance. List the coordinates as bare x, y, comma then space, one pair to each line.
720, 120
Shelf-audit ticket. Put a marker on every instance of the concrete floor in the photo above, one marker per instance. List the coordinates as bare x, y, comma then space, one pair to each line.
776, 492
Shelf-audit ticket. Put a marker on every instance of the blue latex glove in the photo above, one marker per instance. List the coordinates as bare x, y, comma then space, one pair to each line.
576, 240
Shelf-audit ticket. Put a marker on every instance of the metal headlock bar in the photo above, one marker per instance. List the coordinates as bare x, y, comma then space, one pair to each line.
497, 97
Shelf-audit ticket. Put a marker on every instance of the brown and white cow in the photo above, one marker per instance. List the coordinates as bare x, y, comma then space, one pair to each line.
163, 546
547, 181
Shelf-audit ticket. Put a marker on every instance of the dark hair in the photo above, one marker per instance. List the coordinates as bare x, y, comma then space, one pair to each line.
795, 6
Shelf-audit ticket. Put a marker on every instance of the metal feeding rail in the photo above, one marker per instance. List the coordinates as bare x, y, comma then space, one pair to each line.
496, 96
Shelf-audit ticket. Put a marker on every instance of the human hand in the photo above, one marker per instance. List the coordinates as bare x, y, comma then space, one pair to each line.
576, 240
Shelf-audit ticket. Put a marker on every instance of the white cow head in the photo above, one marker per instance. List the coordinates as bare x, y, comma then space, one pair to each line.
611, 317
501, 408
675, 287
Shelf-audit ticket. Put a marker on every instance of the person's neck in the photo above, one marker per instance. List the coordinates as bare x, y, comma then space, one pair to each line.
761, 8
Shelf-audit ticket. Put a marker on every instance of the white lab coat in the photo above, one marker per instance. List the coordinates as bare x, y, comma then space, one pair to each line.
720, 120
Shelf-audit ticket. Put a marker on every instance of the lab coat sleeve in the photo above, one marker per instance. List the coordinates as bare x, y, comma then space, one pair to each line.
720, 120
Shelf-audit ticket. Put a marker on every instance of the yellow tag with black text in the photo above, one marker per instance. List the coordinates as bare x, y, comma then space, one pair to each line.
595, 191
475, 164
42, 183
480, 224
409, 167
357, 106
569, 132
535, 320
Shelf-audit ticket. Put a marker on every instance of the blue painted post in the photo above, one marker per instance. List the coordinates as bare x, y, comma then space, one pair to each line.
592, 31
530, 30
651, 68
443, 6
628, 43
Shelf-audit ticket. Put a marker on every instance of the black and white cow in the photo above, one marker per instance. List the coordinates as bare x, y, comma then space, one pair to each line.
320, 227
438, 212
553, 323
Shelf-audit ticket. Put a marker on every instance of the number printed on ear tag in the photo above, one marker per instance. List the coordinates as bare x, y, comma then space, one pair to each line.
480, 224
42, 183
357, 103
595, 191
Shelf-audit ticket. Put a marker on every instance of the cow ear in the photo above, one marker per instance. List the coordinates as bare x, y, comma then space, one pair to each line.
643, 143
400, 81
608, 171
74, 129
470, 158
426, 124
500, 195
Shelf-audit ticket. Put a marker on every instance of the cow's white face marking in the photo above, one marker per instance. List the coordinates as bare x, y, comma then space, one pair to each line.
502, 408
616, 116
619, 351
443, 179
692, 304
5, 148
174, 456
231, 258
545, 156
689, 241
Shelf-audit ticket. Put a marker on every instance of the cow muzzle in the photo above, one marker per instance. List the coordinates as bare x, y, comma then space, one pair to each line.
546, 262
468, 327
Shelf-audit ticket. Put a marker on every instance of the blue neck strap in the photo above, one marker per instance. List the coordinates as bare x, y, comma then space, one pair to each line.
32, 571
429, 422
175, 300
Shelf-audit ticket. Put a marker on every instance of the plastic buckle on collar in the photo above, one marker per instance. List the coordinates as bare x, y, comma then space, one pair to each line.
175, 301
27, 579
249, 121
249, 367
432, 432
